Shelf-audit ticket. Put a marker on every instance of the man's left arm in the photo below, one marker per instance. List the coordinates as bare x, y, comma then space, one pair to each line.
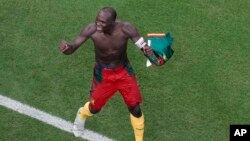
139, 41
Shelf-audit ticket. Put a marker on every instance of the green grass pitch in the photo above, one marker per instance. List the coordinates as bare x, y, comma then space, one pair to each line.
203, 89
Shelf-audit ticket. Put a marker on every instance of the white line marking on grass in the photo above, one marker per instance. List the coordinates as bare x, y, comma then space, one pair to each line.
49, 119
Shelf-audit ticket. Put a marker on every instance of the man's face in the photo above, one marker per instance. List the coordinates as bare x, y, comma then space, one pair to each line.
103, 21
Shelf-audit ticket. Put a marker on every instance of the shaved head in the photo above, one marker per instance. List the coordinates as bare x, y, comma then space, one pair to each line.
110, 12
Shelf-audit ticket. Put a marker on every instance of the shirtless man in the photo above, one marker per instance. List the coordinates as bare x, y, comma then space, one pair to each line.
112, 71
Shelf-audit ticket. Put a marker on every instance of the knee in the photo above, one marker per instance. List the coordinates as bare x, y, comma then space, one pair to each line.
135, 111
93, 111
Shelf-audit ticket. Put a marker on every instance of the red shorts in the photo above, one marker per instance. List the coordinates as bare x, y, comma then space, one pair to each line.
107, 82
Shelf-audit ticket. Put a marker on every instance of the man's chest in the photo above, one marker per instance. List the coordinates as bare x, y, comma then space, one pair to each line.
110, 41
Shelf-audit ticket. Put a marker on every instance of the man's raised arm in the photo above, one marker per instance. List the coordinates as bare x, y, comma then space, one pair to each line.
69, 48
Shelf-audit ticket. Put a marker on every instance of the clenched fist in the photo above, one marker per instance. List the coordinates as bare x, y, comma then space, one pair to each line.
65, 48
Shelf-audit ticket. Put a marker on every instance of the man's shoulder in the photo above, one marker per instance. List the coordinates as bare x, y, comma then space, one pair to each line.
91, 26
127, 28
90, 29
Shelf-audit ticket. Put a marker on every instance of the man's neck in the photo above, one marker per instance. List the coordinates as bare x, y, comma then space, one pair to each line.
110, 30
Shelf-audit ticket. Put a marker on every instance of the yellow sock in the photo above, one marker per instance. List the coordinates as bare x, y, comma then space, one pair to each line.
138, 126
84, 112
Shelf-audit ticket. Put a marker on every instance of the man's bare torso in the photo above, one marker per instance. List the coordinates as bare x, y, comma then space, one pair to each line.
110, 48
